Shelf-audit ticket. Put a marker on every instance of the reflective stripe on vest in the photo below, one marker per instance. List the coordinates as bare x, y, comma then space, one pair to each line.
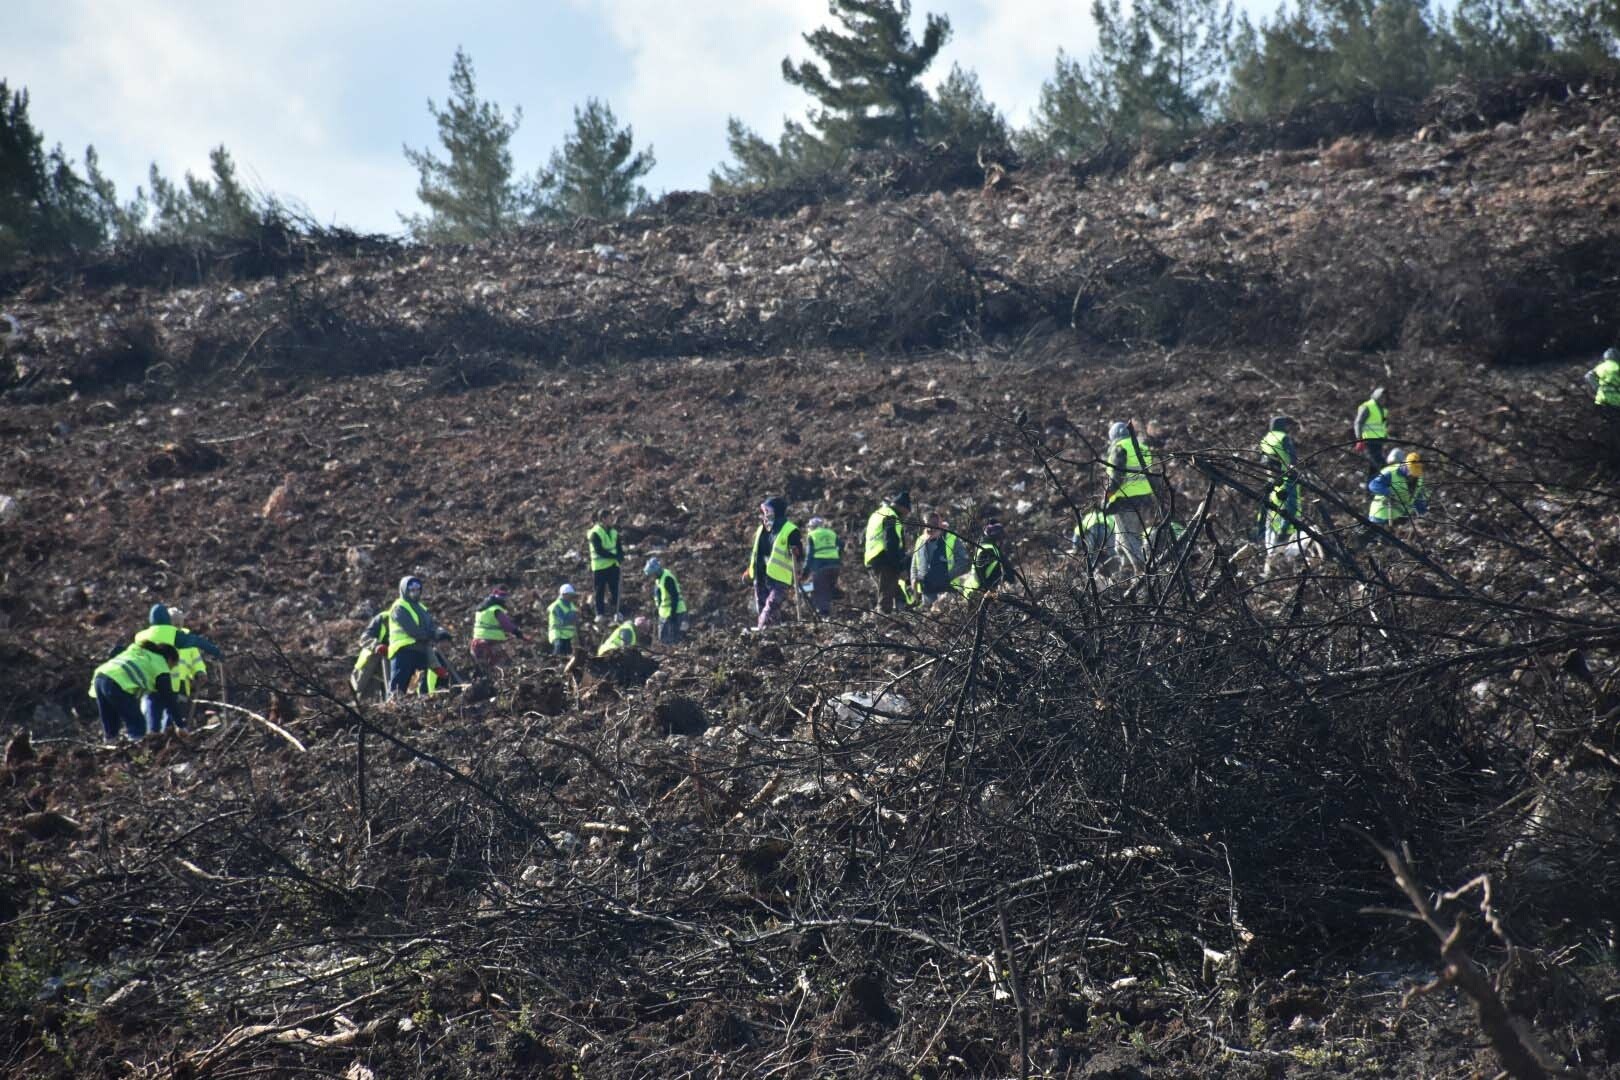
487, 624
1608, 378
874, 532
1132, 480
398, 638
1374, 428
664, 588
135, 670
609, 541
562, 618
622, 638
823, 545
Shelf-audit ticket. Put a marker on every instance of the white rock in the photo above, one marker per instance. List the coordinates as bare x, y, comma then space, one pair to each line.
1178, 168
9, 509
1023, 506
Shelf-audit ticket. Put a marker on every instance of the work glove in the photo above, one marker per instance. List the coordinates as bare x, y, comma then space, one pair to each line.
1361, 446
442, 674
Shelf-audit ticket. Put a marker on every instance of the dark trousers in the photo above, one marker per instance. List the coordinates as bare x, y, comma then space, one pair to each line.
402, 666
163, 709
606, 581
889, 595
1375, 457
117, 705
669, 630
562, 647
823, 583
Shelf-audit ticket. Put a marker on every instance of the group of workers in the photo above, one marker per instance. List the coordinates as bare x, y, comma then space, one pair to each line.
146, 687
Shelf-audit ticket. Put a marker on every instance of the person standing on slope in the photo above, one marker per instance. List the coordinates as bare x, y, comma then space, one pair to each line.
886, 551
773, 558
1372, 428
606, 555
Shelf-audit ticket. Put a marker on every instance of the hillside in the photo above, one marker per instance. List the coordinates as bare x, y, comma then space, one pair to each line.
1096, 827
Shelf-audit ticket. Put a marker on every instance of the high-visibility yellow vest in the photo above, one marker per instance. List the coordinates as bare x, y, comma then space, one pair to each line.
1404, 492
622, 638
1608, 380
671, 598
1132, 480
823, 545
186, 673
135, 670
162, 634
561, 621
1374, 427
397, 636
970, 583
487, 624
609, 541
874, 532
779, 564
1274, 444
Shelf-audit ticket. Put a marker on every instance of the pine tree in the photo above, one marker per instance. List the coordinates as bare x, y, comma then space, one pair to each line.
46, 208
472, 194
201, 209
596, 172
961, 115
868, 87
1076, 114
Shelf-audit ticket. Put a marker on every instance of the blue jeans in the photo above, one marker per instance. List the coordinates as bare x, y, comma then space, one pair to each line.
402, 666
115, 704
163, 709
562, 647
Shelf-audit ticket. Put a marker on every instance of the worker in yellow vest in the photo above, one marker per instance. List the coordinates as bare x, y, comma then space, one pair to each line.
606, 555
1128, 493
492, 626
143, 668
1397, 490
1372, 428
162, 708
369, 676
886, 550
627, 635
823, 558
773, 560
669, 600
412, 636
562, 622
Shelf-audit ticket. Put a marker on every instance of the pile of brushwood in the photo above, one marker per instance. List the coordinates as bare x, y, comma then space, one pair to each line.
1083, 813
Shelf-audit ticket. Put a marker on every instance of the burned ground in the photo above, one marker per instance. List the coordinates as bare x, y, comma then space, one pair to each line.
1086, 829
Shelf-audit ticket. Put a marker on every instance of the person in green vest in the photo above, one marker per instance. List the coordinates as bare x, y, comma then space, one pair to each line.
989, 563
1397, 490
143, 668
1605, 383
606, 555
1372, 428
412, 635
369, 676
1281, 508
627, 635
1093, 537
562, 622
1128, 495
773, 560
886, 550
823, 558
162, 707
668, 599
492, 626
939, 558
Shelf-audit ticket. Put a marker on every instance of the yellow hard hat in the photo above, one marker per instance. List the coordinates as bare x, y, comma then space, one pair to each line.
1414, 464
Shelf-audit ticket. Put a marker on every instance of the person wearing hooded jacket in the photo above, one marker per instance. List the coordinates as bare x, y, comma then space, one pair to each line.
562, 622
1128, 495
145, 667
774, 558
161, 706
492, 626
411, 637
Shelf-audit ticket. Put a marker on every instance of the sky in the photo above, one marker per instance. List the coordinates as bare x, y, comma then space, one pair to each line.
316, 98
